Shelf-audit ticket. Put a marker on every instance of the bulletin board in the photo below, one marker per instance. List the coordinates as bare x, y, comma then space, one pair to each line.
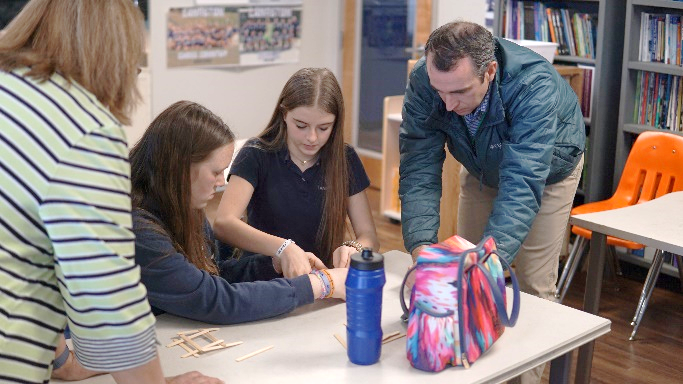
234, 35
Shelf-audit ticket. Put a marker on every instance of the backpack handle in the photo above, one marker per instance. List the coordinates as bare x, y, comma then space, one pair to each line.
511, 319
402, 298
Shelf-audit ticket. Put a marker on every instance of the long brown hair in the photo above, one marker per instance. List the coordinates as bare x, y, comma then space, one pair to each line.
317, 87
97, 44
184, 134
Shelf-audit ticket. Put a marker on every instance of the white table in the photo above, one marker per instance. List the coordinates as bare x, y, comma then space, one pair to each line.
306, 351
657, 223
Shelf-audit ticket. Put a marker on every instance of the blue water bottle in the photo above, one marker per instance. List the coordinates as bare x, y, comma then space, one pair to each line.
364, 285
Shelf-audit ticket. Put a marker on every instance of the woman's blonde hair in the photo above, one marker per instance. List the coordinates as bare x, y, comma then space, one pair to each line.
95, 43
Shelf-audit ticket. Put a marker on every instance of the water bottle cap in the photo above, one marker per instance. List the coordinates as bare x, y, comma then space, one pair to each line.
367, 260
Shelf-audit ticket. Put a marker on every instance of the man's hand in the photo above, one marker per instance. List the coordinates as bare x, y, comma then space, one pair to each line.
410, 281
416, 252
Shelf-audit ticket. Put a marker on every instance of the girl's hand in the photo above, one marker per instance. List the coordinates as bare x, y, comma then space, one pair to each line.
341, 258
295, 262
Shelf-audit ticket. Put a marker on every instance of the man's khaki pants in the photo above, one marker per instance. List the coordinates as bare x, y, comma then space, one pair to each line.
537, 262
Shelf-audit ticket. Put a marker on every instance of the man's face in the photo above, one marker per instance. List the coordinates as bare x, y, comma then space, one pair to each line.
460, 88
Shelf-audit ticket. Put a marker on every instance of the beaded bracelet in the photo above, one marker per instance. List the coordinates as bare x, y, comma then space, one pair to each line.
353, 244
331, 283
282, 247
324, 281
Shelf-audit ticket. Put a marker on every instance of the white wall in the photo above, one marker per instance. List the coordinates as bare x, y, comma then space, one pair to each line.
445, 11
142, 115
243, 97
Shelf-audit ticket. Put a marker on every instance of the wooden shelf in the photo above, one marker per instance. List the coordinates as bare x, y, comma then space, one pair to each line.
450, 181
394, 215
390, 154
395, 117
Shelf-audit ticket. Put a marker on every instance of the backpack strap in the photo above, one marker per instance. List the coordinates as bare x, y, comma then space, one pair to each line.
402, 298
511, 319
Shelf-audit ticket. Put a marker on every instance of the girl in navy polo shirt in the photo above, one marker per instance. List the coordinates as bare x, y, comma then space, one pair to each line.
298, 181
175, 169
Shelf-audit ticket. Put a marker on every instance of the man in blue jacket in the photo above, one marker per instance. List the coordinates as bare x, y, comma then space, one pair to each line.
516, 127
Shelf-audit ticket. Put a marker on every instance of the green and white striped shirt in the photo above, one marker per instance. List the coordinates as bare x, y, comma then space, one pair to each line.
66, 239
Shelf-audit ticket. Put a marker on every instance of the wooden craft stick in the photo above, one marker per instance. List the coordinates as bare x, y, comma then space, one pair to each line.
231, 344
214, 348
341, 340
189, 341
213, 344
389, 340
204, 332
254, 353
191, 352
390, 335
175, 342
200, 331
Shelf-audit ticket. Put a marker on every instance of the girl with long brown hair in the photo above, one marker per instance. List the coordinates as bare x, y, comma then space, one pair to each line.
176, 167
298, 181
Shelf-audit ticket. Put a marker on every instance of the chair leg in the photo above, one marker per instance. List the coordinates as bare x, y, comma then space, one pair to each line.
573, 262
567, 265
615, 260
679, 261
612, 267
648, 287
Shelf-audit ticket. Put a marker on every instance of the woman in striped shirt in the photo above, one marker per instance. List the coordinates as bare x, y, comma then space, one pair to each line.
67, 84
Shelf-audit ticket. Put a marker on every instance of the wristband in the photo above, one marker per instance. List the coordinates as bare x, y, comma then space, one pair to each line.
61, 359
331, 282
282, 247
325, 281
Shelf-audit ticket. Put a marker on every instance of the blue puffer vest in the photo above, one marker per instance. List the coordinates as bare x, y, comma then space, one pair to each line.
533, 135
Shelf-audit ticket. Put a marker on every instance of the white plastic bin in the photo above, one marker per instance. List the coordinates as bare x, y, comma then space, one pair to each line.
543, 48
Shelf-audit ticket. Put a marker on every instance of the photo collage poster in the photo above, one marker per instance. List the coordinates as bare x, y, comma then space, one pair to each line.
215, 36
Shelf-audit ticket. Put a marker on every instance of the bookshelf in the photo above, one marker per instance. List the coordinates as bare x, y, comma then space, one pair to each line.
391, 122
630, 123
601, 127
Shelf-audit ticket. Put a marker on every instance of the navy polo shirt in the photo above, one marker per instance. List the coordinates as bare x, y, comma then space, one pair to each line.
287, 202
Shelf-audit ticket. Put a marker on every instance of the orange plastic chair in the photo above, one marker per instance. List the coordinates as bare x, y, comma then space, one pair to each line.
654, 168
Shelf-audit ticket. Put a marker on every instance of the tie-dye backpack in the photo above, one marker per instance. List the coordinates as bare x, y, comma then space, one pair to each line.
457, 305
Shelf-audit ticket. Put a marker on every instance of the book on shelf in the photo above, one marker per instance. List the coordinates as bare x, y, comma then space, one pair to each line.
658, 100
588, 86
660, 38
573, 31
